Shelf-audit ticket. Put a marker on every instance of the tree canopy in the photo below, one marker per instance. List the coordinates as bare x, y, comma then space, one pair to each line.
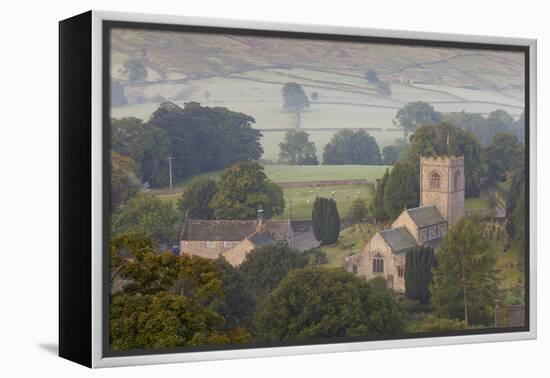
149, 216
401, 191
194, 202
134, 70
372, 76
414, 115
326, 220
501, 155
418, 273
243, 189
352, 147
358, 211
265, 267
294, 97
297, 149
203, 139
465, 282
377, 204
125, 182
322, 303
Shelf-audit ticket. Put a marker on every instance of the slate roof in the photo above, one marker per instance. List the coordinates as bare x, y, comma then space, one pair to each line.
399, 239
260, 239
425, 216
231, 230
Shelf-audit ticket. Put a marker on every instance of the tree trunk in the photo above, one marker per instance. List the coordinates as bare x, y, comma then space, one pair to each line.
465, 291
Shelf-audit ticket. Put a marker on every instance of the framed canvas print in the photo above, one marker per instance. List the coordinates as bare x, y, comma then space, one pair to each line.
235, 189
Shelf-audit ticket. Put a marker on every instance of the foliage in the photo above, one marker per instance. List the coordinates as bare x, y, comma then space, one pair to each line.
414, 115
167, 300
434, 324
150, 216
326, 221
242, 190
294, 97
465, 283
147, 145
401, 191
372, 76
391, 154
501, 155
118, 97
358, 211
323, 303
515, 203
238, 302
418, 273
134, 70
124, 180
377, 204
383, 88
194, 202
485, 128
352, 147
296, 149
432, 141
204, 139
314, 96
265, 267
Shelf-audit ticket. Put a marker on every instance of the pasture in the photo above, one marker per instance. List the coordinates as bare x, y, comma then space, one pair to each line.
345, 101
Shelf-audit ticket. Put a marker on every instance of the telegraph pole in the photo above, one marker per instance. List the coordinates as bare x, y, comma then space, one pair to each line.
170, 169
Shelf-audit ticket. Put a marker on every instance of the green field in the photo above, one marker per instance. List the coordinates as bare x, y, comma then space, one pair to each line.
286, 173
474, 203
302, 199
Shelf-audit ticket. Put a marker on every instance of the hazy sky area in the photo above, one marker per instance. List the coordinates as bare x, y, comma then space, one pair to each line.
246, 74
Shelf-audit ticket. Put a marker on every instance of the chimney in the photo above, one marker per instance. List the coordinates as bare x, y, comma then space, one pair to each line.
260, 218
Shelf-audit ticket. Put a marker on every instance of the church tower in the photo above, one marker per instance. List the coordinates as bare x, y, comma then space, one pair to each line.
442, 185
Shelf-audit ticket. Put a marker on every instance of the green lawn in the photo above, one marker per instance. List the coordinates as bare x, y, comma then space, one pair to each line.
302, 199
475, 203
351, 240
285, 173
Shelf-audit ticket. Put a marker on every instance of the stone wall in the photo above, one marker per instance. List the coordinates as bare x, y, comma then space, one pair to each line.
199, 248
361, 263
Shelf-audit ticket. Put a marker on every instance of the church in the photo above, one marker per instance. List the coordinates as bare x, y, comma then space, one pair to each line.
441, 206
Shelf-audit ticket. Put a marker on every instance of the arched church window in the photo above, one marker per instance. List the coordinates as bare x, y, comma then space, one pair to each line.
435, 180
457, 179
378, 263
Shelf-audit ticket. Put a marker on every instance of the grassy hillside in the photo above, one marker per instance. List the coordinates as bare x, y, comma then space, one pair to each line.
246, 74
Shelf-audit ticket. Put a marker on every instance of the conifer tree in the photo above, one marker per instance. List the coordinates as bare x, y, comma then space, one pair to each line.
326, 221
377, 204
418, 273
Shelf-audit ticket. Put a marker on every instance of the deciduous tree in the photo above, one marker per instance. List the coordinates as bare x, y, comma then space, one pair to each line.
243, 189
322, 303
195, 200
297, 149
416, 114
352, 147
465, 282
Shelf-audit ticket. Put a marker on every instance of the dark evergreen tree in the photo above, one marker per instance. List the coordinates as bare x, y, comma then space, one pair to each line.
377, 204
326, 221
418, 273
401, 191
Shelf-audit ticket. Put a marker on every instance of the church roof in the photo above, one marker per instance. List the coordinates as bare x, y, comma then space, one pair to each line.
399, 239
425, 216
260, 239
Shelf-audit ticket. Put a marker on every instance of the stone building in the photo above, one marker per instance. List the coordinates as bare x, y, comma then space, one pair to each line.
441, 206
234, 239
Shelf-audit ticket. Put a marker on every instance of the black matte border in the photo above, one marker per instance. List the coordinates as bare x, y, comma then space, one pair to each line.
106, 29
